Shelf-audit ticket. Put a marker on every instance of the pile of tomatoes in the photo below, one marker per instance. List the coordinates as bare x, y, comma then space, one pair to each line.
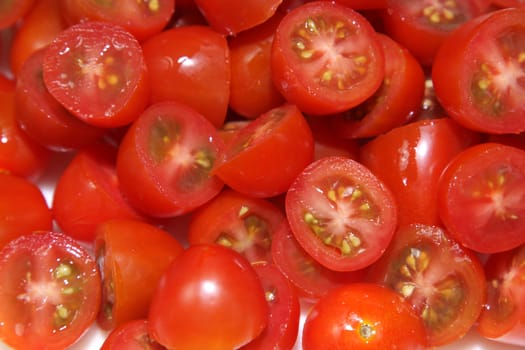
258, 174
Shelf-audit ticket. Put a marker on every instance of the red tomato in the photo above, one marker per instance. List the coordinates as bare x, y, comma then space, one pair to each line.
49, 291
503, 316
252, 90
132, 335
38, 29
443, 281
409, 160
395, 103
478, 73
237, 221
170, 151
42, 117
482, 198
142, 18
283, 321
209, 298
509, 3
87, 193
326, 58
341, 213
97, 71
363, 316
233, 16
6, 83
422, 26
12, 11
264, 157
23, 208
130, 253
195, 60
364, 4
327, 144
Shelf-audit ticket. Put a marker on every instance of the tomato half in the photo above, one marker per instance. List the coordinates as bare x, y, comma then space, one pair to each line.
97, 71
326, 58
49, 291
481, 197
443, 281
132, 335
363, 316
341, 213
479, 73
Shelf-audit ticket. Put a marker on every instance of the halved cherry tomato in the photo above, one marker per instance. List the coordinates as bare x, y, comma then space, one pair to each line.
363, 316
326, 58
341, 213
443, 281
327, 144
132, 335
508, 3
364, 4
13, 10
237, 221
264, 157
49, 291
482, 198
97, 71
209, 298
479, 73
130, 253
170, 150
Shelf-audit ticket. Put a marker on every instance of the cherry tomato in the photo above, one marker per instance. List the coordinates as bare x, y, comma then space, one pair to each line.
363, 316
443, 281
326, 58
327, 144
49, 291
478, 73
12, 11
481, 197
341, 213
170, 151
132, 335
364, 4
264, 157
508, 3
130, 253
209, 298
97, 71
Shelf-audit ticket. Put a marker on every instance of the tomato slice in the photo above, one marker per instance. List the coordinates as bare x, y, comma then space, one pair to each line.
49, 291
341, 213
479, 73
97, 71
326, 58
482, 199
443, 281
132, 335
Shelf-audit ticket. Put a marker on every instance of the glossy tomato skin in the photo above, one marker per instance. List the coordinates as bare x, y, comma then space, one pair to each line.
502, 317
132, 335
97, 71
481, 197
443, 281
363, 316
409, 160
264, 157
130, 253
87, 193
470, 80
50, 291
13, 11
170, 151
209, 298
42, 117
341, 213
23, 208
326, 58
196, 61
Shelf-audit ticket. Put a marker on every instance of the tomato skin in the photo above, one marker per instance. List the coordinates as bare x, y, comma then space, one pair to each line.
12, 11
297, 69
132, 335
23, 208
485, 181
170, 150
342, 319
211, 291
264, 157
196, 60
409, 160
131, 253
50, 291
469, 80
443, 281
341, 213
364, 4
